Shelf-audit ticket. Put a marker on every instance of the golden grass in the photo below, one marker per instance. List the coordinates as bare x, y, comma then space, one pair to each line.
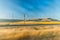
30, 33
28, 22
33, 22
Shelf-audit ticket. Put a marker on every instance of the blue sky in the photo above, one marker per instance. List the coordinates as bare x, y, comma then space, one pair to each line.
32, 8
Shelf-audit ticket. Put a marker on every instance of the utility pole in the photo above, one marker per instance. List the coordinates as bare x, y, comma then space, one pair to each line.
24, 19
12, 18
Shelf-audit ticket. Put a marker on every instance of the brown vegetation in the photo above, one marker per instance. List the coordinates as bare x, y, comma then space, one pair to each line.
30, 33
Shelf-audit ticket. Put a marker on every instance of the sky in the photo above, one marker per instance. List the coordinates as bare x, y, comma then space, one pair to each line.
15, 9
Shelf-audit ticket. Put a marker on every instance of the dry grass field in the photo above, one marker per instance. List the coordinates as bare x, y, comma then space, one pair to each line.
30, 33
38, 32
28, 22
33, 22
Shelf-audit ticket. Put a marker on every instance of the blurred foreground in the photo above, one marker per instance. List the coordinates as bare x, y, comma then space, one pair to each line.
30, 33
